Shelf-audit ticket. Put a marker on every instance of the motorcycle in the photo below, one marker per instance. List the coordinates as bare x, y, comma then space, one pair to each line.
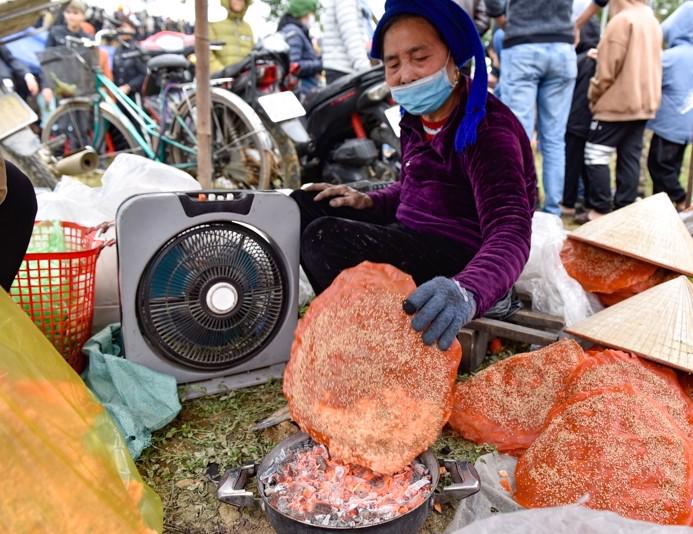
355, 131
265, 79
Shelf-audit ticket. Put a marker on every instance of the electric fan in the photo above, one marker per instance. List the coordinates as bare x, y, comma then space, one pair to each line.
209, 285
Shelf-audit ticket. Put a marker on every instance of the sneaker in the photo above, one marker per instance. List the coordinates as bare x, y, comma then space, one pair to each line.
587, 216
681, 206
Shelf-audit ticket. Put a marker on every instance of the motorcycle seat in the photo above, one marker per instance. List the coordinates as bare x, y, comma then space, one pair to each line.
168, 61
342, 85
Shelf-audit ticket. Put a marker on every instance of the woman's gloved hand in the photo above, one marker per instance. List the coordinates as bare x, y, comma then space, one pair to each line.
440, 307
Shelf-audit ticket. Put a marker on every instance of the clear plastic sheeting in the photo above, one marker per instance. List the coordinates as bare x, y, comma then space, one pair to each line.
546, 280
497, 474
66, 467
566, 520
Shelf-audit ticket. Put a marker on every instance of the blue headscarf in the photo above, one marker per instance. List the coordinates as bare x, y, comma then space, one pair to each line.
462, 38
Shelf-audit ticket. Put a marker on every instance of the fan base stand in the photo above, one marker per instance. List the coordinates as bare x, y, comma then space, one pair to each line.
215, 386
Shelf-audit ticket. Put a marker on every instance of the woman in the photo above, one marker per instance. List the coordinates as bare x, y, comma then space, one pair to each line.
459, 220
17, 213
295, 26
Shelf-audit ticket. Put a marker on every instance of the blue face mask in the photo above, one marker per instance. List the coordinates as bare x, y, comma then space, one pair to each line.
426, 95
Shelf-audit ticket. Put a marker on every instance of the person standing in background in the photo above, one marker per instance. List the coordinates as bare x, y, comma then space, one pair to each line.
539, 68
345, 40
129, 66
673, 125
624, 94
235, 33
295, 26
477, 10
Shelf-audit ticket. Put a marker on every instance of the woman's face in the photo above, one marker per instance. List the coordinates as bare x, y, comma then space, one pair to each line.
236, 5
413, 50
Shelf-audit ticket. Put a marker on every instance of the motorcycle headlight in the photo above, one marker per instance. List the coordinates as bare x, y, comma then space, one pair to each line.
378, 92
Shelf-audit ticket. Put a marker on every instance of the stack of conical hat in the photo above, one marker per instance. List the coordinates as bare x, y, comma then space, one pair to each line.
649, 230
656, 324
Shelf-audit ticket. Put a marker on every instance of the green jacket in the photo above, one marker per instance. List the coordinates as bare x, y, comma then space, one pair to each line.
237, 36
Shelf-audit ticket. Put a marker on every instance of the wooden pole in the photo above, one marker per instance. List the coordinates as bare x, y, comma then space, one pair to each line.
203, 97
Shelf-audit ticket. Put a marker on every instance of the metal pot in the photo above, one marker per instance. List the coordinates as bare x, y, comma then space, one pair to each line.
232, 491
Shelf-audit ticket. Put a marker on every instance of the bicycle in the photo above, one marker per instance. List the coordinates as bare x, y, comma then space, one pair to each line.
111, 122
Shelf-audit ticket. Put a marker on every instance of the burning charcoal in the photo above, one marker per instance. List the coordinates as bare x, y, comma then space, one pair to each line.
308, 486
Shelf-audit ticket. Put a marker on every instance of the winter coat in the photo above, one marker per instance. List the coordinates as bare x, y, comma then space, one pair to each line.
57, 35
345, 42
302, 53
674, 120
129, 66
628, 82
237, 36
477, 10
10, 67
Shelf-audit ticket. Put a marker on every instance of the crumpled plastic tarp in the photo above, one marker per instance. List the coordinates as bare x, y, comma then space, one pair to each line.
545, 279
360, 379
139, 399
66, 467
73, 201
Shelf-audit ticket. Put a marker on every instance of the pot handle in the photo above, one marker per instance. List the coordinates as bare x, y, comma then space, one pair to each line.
465, 479
232, 485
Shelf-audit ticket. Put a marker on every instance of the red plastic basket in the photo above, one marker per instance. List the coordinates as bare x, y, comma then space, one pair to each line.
57, 288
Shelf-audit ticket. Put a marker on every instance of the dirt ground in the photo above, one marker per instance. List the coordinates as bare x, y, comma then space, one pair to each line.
214, 434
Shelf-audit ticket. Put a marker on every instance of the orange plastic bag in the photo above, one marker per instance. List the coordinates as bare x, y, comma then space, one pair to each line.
615, 447
360, 379
612, 368
66, 466
601, 271
507, 403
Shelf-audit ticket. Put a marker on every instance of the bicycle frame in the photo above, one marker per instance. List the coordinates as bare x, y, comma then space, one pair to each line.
149, 130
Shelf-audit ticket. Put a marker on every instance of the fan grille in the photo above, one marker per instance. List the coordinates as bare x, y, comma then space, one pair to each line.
174, 295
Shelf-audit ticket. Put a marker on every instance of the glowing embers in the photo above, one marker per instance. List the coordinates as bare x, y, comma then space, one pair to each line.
507, 403
309, 486
361, 381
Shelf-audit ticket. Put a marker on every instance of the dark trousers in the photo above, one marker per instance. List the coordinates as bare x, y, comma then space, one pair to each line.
334, 239
574, 168
664, 163
605, 139
17, 214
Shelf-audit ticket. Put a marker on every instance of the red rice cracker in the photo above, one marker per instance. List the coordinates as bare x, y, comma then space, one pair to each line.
507, 403
616, 448
360, 379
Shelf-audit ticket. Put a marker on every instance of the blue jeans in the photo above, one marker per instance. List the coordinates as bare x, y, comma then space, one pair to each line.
537, 82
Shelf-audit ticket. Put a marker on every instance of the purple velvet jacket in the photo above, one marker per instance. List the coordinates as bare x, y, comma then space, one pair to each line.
482, 198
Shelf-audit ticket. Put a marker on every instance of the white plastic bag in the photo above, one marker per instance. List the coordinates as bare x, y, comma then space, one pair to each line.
545, 278
687, 217
73, 201
573, 519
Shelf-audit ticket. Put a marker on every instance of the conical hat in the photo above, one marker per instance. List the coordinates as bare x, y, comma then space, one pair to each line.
649, 230
656, 324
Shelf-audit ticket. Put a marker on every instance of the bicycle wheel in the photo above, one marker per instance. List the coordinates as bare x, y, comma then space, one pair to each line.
241, 146
71, 128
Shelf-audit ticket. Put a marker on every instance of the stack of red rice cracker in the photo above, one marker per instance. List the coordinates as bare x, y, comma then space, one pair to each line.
604, 425
630, 250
